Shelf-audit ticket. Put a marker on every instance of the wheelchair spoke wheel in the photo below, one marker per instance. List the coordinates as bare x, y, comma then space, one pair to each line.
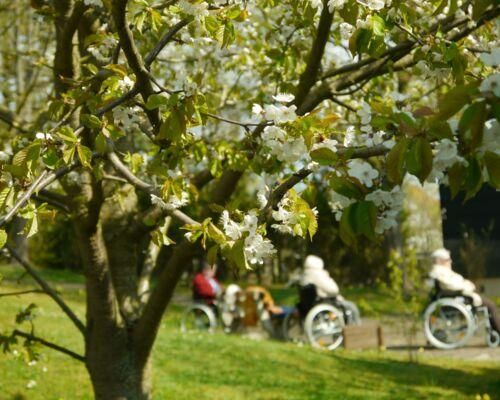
448, 324
324, 327
198, 318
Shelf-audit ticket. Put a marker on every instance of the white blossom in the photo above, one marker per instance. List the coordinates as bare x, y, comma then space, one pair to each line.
125, 84
4, 157
491, 59
293, 150
262, 197
173, 202
491, 137
273, 133
31, 384
491, 84
231, 228
365, 113
256, 247
280, 113
284, 97
346, 30
128, 118
337, 203
350, 136
95, 3
318, 4
363, 171
335, 5
330, 144
375, 5
257, 109
43, 136
102, 50
197, 10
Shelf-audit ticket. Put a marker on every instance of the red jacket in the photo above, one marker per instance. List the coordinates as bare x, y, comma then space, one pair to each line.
202, 289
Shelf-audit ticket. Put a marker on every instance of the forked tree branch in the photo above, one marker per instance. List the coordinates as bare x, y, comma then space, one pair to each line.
47, 289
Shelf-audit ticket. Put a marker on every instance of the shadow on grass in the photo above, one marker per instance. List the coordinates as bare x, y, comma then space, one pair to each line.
413, 375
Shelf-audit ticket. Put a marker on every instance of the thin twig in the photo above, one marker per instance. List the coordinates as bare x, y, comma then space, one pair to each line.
51, 345
21, 292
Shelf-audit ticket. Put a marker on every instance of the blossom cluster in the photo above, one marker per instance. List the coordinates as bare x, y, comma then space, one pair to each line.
256, 247
289, 218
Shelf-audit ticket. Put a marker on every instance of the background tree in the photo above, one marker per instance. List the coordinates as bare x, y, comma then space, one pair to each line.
164, 109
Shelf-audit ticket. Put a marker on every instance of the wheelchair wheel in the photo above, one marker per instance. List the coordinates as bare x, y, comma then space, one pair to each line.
492, 338
198, 318
448, 324
323, 326
293, 330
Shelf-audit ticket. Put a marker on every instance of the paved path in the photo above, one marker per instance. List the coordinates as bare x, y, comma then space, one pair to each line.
397, 337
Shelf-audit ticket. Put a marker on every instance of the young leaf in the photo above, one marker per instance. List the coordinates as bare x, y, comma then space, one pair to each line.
85, 155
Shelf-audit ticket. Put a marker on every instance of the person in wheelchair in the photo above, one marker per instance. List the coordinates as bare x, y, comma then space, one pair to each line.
206, 288
314, 276
268, 312
451, 284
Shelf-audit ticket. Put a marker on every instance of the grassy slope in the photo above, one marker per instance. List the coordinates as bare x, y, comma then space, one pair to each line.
219, 366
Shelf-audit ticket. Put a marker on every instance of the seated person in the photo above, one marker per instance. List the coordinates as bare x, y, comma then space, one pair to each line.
448, 280
314, 273
206, 287
267, 301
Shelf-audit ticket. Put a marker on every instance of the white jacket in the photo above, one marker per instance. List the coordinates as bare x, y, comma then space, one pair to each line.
314, 273
450, 280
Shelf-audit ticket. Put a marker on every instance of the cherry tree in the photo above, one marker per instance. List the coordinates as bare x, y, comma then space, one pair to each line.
196, 126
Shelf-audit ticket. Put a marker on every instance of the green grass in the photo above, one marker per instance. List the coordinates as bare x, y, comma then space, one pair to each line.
198, 366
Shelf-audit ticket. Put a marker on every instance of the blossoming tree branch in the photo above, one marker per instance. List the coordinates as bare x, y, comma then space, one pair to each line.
196, 127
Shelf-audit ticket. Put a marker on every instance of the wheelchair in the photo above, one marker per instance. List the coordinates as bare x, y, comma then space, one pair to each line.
450, 320
319, 321
202, 317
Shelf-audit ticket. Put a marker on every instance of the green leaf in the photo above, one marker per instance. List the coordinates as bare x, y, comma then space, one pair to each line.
228, 35
346, 187
155, 101
479, 7
473, 178
212, 254
471, 125
91, 121
66, 133
85, 155
3, 238
456, 176
349, 12
324, 156
492, 162
359, 218
454, 100
378, 25
68, 154
235, 254
419, 158
395, 162
174, 126
100, 143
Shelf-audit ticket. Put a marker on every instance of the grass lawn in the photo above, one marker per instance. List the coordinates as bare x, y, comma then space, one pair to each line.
218, 366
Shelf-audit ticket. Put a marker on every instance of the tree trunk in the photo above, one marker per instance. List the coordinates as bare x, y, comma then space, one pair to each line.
114, 370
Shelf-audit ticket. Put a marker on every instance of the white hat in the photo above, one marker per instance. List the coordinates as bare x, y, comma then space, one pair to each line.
441, 253
313, 262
